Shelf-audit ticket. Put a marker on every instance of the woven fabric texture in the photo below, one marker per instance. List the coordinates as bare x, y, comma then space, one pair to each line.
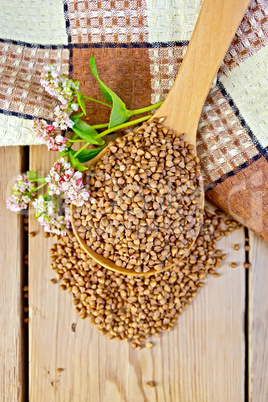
139, 46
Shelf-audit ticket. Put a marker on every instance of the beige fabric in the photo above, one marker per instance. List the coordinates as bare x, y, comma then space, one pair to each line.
33, 21
248, 85
171, 20
16, 131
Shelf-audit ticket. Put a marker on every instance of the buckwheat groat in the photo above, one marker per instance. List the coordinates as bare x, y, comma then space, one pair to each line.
132, 308
145, 206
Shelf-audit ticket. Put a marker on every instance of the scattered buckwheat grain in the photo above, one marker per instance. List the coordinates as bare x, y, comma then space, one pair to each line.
134, 308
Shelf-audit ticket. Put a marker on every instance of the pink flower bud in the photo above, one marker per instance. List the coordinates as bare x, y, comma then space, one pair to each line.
79, 183
55, 148
70, 171
62, 179
49, 129
60, 139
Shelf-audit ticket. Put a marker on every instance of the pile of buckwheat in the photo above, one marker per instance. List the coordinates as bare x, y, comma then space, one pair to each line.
134, 308
146, 197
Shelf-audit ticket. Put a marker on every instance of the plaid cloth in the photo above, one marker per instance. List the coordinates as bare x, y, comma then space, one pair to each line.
139, 45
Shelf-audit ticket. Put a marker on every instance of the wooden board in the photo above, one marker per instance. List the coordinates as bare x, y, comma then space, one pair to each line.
258, 320
202, 359
11, 326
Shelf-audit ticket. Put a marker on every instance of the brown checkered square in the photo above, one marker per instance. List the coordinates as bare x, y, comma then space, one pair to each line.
110, 21
222, 142
20, 89
125, 71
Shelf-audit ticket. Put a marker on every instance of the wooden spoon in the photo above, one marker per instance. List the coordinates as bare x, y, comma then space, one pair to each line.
217, 23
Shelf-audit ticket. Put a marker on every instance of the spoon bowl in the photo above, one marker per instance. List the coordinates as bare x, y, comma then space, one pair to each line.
105, 262
215, 28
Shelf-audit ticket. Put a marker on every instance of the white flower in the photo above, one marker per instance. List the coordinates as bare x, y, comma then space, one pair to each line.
60, 87
54, 74
14, 204
49, 217
81, 198
22, 193
50, 136
63, 178
40, 205
65, 91
74, 106
26, 199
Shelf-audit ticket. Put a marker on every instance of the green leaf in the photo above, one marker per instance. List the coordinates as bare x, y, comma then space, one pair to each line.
88, 154
37, 214
33, 176
76, 116
81, 103
86, 132
119, 113
104, 89
76, 164
65, 153
47, 197
81, 125
85, 155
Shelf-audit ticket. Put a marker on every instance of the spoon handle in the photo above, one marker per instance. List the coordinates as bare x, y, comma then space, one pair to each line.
215, 28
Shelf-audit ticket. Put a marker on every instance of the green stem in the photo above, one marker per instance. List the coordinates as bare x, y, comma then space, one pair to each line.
100, 126
129, 123
81, 149
74, 137
145, 109
96, 100
76, 140
42, 185
39, 180
58, 159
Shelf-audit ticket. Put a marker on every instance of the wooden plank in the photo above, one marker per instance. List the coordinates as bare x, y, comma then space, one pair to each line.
202, 359
258, 320
11, 326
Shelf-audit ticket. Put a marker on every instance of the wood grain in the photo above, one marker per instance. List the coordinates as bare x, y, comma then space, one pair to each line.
202, 359
258, 320
11, 326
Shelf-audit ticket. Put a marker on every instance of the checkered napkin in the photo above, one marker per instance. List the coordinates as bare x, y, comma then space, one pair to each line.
139, 46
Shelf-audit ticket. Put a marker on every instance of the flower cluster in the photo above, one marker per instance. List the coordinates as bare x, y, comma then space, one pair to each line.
23, 192
50, 136
48, 215
62, 118
62, 88
65, 91
65, 185
63, 178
